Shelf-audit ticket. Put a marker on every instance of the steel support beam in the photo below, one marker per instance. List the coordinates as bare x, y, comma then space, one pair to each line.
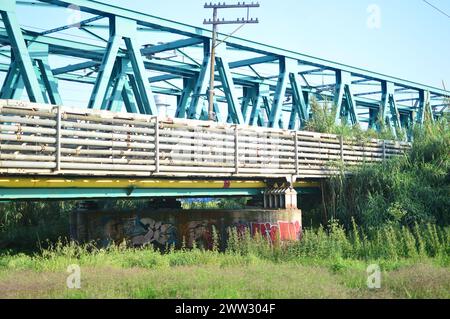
344, 100
20, 51
185, 99
262, 94
201, 86
424, 107
109, 10
14, 82
389, 111
275, 118
113, 87
300, 103
39, 54
179, 44
13, 86
234, 110
123, 29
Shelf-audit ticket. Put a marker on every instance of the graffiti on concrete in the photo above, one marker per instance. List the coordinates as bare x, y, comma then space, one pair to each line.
200, 233
166, 228
148, 231
267, 230
290, 230
282, 230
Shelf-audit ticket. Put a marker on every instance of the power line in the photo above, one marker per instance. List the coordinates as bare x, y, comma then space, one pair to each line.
436, 8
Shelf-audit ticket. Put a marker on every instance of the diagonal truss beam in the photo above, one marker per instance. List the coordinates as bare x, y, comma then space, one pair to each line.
344, 100
118, 73
20, 51
123, 29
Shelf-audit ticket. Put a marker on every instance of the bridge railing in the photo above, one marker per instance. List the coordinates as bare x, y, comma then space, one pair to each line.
53, 140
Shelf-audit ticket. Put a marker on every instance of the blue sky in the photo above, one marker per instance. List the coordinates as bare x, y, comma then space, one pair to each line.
411, 43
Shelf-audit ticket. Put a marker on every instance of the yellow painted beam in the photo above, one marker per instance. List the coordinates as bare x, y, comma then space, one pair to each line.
14, 182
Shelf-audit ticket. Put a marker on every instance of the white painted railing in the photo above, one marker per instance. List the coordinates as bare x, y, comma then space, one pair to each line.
49, 140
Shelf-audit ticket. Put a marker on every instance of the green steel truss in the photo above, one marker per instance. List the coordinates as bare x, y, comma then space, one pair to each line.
255, 84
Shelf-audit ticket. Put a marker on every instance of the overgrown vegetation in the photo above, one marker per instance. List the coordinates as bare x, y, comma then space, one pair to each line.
406, 190
389, 244
324, 121
328, 263
23, 225
32, 225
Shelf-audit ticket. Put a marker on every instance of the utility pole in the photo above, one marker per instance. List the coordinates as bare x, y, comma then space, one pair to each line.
215, 22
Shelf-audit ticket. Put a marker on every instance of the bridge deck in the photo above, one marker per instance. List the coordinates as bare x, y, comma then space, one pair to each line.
38, 139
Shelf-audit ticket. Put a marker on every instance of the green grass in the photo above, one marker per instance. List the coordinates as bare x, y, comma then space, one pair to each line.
398, 207
328, 263
227, 277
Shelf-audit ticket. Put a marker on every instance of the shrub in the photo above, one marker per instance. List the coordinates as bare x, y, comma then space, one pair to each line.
406, 190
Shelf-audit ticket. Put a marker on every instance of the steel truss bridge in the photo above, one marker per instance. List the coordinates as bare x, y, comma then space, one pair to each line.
262, 103
56, 151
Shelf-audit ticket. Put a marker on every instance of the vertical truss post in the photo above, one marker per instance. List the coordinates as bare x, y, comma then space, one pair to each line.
263, 118
20, 50
294, 120
275, 117
289, 75
39, 53
98, 95
201, 86
137, 63
123, 29
110, 87
389, 108
248, 95
406, 120
128, 98
115, 102
41, 84
119, 89
373, 118
262, 93
300, 106
234, 109
347, 110
424, 106
186, 97
13, 86
135, 90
